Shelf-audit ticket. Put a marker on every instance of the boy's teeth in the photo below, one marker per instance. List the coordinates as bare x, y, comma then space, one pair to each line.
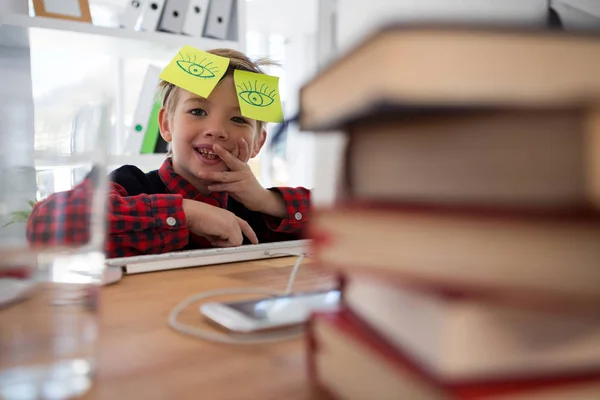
207, 153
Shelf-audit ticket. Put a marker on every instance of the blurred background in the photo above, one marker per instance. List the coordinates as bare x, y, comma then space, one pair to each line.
302, 36
54, 73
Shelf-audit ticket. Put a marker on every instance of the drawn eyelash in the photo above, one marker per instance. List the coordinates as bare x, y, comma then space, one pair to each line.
196, 69
259, 97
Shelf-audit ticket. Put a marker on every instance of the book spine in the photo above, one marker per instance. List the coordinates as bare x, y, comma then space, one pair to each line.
319, 390
592, 161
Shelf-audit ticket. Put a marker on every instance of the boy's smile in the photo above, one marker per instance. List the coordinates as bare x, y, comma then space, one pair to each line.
198, 123
207, 155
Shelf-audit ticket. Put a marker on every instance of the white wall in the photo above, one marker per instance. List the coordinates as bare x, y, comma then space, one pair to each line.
358, 18
296, 21
300, 66
281, 17
17, 175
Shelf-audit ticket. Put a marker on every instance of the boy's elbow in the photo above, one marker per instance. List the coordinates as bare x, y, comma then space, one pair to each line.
39, 225
53, 222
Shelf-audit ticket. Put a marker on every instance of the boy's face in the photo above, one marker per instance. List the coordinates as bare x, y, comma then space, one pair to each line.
198, 123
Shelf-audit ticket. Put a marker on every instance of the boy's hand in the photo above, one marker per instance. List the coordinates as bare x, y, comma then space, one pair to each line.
221, 227
239, 182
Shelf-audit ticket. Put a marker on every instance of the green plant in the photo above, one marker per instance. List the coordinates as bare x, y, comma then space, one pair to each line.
20, 215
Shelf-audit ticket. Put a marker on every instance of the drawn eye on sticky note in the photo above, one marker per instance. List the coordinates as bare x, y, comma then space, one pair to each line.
258, 96
195, 70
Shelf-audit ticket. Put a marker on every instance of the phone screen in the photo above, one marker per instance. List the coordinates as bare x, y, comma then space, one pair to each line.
288, 309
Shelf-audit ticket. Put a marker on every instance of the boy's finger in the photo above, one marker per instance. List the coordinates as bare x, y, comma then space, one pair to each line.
221, 243
222, 176
232, 161
231, 187
244, 150
218, 241
230, 237
247, 231
218, 187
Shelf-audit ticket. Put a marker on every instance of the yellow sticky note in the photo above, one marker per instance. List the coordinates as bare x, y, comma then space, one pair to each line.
195, 70
258, 95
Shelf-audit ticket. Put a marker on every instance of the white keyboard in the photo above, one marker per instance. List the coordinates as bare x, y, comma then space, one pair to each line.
196, 258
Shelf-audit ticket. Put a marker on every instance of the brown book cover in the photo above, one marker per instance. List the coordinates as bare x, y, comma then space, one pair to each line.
457, 336
547, 158
350, 361
424, 68
524, 256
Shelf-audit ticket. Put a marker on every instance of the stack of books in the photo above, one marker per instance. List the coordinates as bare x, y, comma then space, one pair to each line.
466, 230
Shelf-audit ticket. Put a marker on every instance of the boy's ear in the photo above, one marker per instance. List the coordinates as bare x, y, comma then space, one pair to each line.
163, 123
259, 143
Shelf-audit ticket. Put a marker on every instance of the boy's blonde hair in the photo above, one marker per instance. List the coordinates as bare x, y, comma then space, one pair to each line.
237, 60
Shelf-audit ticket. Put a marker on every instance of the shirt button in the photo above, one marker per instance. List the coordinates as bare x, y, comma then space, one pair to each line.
171, 221
298, 216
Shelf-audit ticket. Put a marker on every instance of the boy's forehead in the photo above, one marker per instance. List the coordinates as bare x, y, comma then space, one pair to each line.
224, 93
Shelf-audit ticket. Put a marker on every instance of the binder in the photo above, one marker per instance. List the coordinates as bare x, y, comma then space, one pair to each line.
173, 16
152, 133
195, 18
219, 18
577, 14
131, 14
151, 13
142, 117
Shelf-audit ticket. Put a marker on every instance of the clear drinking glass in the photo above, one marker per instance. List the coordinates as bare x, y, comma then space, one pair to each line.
49, 288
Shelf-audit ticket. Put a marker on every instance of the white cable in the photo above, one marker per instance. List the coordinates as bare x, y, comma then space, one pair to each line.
290, 284
241, 338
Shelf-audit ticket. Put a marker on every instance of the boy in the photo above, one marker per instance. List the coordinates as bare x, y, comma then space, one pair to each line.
203, 195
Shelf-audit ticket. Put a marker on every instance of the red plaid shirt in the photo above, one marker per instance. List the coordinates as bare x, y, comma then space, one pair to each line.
140, 223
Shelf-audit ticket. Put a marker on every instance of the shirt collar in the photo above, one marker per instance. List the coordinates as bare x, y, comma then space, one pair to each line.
176, 184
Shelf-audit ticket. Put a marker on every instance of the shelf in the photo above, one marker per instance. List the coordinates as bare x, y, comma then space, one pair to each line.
145, 162
74, 36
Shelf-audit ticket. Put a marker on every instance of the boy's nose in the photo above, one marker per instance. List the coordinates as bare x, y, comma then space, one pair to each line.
216, 132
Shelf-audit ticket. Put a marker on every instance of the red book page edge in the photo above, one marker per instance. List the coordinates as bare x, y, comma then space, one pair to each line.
579, 214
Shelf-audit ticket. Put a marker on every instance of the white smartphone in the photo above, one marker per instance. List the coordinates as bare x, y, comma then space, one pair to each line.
270, 312
13, 290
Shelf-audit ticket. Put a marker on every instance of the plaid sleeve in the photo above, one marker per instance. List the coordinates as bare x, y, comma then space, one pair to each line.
62, 218
140, 224
297, 204
145, 224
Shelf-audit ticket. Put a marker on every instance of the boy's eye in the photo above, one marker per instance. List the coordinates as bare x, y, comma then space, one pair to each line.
239, 120
197, 112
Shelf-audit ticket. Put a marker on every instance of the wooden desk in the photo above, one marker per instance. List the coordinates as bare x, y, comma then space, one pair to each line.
140, 357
